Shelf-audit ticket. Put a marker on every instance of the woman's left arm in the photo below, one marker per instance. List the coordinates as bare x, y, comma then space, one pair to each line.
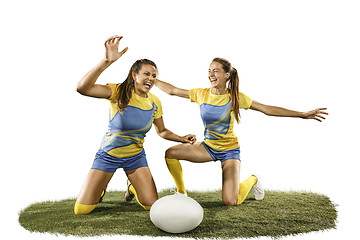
317, 114
169, 135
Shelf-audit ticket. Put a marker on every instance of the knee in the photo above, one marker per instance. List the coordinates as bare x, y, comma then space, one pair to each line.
228, 201
147, 203
170, 153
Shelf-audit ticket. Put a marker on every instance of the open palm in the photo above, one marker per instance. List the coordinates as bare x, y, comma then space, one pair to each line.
317, 114
112, 48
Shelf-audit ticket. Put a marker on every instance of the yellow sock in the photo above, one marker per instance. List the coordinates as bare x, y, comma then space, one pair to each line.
245, 187
80, 209
176, 172
132, 191
101, 196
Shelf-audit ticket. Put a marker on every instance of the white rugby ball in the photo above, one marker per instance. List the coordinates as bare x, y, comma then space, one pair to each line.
176, 213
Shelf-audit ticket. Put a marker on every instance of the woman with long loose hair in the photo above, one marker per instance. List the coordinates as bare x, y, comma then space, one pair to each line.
133, 110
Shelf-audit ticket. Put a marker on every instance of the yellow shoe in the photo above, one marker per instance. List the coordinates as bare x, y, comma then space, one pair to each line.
128, 195
102, 195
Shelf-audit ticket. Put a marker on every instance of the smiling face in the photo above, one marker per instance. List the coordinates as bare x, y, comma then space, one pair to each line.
145, 79
217, 76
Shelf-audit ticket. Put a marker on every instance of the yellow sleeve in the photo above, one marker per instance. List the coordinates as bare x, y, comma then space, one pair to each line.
245, 101
114, 89
158, 111
193, 94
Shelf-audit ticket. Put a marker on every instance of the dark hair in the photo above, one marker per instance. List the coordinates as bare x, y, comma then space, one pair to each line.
233, 85
124, 89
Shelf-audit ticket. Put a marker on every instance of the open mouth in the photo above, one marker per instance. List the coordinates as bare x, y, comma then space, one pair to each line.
213, 80
147, 85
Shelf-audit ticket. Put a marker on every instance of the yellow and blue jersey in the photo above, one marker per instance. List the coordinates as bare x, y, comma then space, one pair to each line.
127, 130
218, 117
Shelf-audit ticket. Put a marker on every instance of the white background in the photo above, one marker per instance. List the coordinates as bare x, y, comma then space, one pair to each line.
295, 54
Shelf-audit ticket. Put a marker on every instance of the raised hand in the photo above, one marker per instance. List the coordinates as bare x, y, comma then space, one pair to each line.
316, 114
112, 48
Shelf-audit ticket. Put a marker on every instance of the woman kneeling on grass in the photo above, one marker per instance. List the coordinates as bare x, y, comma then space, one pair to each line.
219, 106
133, 109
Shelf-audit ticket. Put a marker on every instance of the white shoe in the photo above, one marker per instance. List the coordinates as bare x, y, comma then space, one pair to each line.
259, 192
181, 194
178, 193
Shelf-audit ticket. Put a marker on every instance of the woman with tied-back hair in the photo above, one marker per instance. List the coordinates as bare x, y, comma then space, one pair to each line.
133, 110
219, 106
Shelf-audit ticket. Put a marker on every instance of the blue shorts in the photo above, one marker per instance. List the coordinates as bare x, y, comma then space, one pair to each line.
223, 155
107, 163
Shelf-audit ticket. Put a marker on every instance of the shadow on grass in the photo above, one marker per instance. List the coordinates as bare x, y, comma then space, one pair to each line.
118, 207
209, 205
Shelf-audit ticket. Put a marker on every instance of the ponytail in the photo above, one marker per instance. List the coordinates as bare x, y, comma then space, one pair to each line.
234, 93
124, 90
233, 86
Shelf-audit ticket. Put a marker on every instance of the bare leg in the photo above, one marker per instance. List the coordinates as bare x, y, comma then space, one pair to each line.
94, 184
191, 152
231, 181
234, 192
143, 182
194, 153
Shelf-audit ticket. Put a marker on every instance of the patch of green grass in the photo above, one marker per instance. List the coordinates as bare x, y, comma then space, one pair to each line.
279, 214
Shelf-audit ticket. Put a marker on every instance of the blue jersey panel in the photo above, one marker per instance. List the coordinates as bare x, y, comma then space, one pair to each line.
216, 120
128, 128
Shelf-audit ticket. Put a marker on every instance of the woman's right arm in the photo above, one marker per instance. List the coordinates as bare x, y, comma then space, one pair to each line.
86, 86
172, 90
